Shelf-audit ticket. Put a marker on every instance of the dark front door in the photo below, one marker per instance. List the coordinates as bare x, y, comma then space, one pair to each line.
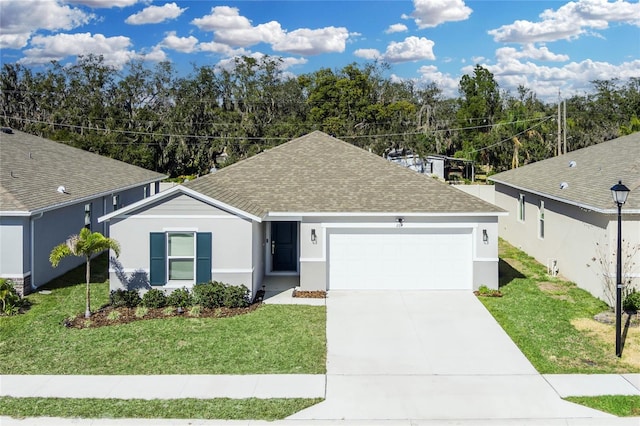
284, 246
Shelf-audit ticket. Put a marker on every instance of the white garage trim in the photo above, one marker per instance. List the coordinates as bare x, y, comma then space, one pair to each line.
400, 258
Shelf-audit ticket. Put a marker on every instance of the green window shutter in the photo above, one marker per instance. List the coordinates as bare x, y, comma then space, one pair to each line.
203, 257
158, 263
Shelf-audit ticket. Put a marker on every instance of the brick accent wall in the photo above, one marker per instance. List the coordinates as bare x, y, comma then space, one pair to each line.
22, 285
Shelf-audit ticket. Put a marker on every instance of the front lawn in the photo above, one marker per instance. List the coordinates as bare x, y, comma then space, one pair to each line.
221, 408
273, 339
618, 405
551, 320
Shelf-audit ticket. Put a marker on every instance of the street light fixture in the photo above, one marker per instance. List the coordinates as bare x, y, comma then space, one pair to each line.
620, 194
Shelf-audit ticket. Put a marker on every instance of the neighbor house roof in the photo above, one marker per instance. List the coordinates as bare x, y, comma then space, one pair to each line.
584, 177
33, 168
320, 174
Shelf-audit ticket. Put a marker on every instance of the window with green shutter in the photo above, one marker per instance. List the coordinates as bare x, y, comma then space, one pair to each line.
180, 256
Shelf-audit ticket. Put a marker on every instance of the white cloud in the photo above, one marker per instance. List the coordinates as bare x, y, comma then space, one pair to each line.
232, 29
115, 50
396, 28
545, 81
306, 41
569, 21
104, 4
369, 54
181, 44
431, 13
222, 18
20, 19
530, 51
155, 14
411, 49
156, 55
445, 82
229, 63
263, 33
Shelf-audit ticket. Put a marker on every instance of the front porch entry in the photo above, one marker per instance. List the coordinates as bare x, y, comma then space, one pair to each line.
284, 246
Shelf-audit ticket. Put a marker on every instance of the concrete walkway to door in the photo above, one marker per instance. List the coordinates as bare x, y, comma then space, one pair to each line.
428, 355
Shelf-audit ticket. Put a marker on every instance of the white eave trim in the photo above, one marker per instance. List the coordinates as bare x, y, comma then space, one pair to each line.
123, 212
383, 214
567, 201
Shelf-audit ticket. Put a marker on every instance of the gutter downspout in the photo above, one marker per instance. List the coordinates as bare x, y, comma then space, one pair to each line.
32, 247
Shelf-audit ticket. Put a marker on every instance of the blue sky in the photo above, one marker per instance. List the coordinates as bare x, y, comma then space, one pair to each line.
547, 46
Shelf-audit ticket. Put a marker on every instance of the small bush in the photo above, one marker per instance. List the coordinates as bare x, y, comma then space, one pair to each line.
154, 298
141, 311
180, 298
195, 311
113, 316
10, 301
631, 303
124, 298
209, 295
236, 296
485, 291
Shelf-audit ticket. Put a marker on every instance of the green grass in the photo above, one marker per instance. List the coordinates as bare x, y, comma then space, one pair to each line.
536, 311
222, 408
619, 405
274, 339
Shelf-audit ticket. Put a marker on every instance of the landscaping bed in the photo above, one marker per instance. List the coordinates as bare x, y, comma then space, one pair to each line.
308, 294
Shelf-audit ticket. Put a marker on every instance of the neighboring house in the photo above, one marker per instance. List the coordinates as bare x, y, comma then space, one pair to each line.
562, 212
317, 210
440, 166
49, 191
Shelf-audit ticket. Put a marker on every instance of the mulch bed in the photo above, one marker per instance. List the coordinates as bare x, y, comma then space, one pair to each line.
307, 294
105, 316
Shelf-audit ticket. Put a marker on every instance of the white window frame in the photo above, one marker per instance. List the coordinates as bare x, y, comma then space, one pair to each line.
180, 257
541, 220
87, 216
116, 202
521, 208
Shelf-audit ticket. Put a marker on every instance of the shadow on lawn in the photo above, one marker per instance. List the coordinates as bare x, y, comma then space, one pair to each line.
507, 273
99, 274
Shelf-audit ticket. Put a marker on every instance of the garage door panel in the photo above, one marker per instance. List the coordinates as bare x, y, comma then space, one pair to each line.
406, 260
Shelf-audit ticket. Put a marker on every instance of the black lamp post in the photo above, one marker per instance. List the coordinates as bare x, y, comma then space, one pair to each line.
620, 193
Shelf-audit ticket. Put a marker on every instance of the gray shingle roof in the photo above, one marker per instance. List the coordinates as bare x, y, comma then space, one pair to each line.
32, 169
317, 173
596, 169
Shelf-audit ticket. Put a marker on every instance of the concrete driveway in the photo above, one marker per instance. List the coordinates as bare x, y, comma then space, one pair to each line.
427, 355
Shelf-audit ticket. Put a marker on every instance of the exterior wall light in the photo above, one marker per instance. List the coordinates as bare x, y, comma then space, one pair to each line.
314, 237
400, 221
485, 236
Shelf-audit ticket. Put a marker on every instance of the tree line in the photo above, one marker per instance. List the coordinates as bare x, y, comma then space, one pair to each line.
212, 117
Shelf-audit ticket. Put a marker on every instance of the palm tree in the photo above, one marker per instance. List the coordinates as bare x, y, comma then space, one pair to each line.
86, 244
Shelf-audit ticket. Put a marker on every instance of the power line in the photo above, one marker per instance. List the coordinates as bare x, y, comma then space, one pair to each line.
265, 138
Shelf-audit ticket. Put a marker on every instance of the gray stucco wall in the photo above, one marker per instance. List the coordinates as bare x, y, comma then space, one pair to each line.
576, 239
232, 240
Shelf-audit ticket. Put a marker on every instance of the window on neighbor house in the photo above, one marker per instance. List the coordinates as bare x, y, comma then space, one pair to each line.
87, 216
116, 202
180, 256
521, 208
541, 220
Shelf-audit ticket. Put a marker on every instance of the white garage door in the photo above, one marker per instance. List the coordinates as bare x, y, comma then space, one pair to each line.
400, 259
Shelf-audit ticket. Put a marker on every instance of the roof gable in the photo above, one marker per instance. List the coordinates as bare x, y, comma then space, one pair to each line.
33, 169
317, 173
586, 175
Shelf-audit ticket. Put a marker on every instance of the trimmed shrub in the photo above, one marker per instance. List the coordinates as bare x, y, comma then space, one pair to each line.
154, 298
631, 303
10, 301
209, 295
124, 298
180, 298
236, 296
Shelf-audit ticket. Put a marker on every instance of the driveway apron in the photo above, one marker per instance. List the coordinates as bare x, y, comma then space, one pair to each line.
427, 355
